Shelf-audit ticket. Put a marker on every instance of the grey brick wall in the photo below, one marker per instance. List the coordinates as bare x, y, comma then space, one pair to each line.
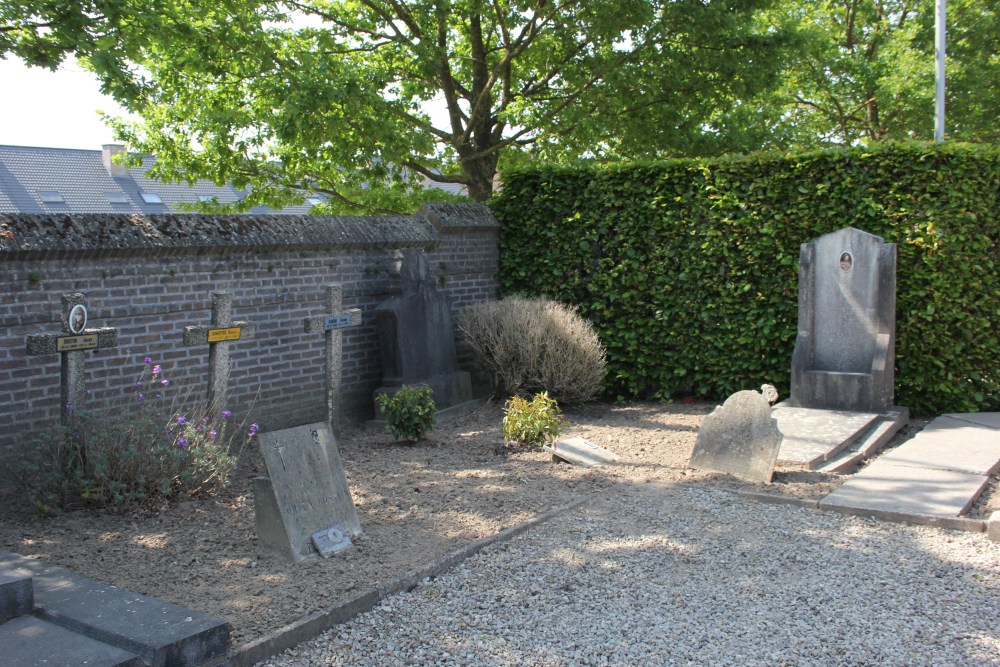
151, 276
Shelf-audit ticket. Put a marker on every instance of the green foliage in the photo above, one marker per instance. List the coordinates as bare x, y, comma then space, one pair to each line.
865, 72
532, 423
143, 451
531, 345
332, 96
409, 412
688, 269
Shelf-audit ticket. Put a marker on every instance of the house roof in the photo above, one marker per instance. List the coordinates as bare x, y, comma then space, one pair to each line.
63, 180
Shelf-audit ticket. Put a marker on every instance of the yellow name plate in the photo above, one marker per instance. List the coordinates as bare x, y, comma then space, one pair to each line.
220, 335
73, 343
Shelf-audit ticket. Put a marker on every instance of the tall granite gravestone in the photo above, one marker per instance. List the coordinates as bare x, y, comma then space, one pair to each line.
417, 336
740, 437
304, 506
844, 352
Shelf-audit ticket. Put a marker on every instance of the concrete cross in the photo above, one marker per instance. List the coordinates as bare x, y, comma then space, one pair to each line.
72, 343
335, 319
222, 331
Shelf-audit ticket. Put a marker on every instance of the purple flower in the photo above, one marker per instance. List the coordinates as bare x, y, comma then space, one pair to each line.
140, 397
182, 443
226, 414
182, 420
165, 383
137, 386
147, 360
253, 430
157, 370
212, 434
204, 420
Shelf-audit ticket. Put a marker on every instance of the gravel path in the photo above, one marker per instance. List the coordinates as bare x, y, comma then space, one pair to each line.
662, 576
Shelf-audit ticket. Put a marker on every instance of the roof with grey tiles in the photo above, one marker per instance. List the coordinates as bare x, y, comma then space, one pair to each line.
29, 176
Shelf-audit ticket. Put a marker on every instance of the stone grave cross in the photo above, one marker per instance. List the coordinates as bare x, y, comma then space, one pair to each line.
218, 335
335, 319
72, 343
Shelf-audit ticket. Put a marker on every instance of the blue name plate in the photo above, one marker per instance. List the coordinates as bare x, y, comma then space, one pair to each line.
337, 322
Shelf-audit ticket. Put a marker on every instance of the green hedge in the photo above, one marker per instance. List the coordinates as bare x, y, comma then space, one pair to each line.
689, 268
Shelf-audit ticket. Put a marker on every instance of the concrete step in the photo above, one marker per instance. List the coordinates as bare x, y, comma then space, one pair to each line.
158, 632
869, 444
16, 596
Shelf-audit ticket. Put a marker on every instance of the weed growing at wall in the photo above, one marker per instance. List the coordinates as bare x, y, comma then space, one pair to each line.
688, 269
532, 423
149, 448
409, 413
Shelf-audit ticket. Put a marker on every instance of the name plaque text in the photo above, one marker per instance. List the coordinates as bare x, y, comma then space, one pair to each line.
73, 343
220, 335
337, 322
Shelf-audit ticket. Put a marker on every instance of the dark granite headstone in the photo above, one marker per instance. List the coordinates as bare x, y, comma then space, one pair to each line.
844, 353
740, 438
417, 337
305, 493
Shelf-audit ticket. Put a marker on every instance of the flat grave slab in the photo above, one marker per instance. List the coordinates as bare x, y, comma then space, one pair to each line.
812, 436
988, 419
159, 632
900, 489
31, 642
581, 452
16, 596
951, 444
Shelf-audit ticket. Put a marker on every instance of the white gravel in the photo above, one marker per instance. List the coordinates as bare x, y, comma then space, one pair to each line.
691, 575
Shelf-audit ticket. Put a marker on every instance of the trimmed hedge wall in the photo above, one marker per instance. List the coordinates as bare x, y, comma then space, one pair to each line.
689, 268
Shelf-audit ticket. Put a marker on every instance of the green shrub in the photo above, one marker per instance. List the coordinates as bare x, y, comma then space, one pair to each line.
688, 269
410, 412
144, 450
533, 345
532, 423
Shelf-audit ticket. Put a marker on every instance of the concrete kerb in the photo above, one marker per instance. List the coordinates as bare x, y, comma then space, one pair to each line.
318, 622
993, 527
947, 523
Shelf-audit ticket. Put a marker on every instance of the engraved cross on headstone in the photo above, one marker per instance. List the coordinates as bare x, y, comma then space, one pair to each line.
72, 343
222, 331
331, 323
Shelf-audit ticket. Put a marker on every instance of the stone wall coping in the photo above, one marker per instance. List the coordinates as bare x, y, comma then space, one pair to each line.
39, 235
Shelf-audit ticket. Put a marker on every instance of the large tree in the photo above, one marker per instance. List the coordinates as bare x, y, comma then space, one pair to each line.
866, 71
339, 96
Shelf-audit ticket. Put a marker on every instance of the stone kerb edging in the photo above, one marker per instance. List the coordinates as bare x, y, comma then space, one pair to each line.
33, 235
318, 622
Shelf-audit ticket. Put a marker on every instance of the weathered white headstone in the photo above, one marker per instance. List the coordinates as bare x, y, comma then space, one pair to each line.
740, 438
581, 452
305, 495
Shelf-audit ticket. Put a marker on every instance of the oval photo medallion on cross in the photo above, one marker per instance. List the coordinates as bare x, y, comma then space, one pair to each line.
78, 318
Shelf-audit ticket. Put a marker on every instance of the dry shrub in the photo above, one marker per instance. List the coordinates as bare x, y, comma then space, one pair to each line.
533, 345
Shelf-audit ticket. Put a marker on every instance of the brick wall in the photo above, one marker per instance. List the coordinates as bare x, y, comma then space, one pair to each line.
151, 276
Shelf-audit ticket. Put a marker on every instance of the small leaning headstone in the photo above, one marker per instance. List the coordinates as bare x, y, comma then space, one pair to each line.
739, 438
581, 452
304, 506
